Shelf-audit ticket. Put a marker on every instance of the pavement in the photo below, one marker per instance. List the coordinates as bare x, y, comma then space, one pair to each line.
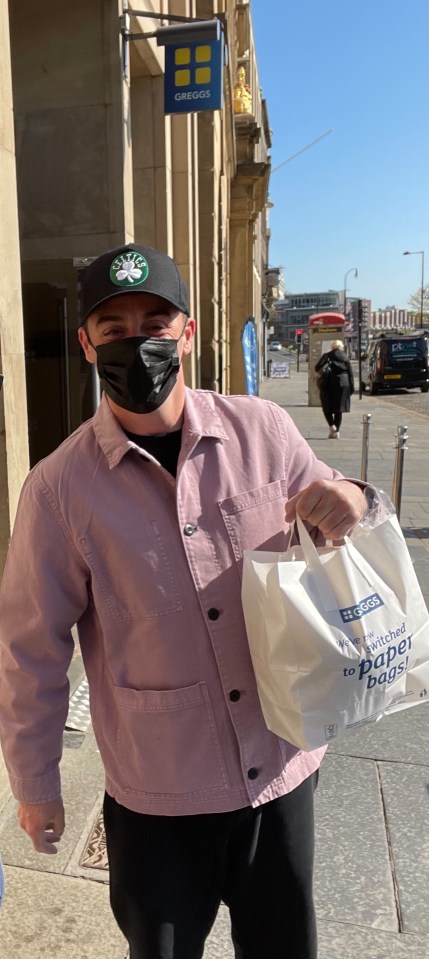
372, 836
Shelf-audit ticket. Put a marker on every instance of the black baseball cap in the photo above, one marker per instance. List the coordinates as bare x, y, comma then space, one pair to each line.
131, 269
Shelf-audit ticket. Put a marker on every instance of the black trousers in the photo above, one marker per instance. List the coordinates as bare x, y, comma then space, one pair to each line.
332, 418
169, 874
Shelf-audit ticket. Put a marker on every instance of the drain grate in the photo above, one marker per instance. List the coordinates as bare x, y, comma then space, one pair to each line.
94, 855
79, 716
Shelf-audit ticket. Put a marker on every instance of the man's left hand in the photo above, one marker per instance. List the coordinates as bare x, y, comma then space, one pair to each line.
334, 507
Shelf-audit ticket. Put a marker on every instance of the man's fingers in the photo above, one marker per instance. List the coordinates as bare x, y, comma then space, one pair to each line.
44, 823
333, 507
44, 842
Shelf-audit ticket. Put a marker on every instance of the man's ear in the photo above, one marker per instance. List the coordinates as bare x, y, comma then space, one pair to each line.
188, 335
87, 347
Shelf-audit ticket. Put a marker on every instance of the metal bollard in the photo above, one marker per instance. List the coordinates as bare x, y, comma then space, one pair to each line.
366, 422
398, 471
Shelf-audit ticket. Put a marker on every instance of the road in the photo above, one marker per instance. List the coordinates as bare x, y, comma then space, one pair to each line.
412, 401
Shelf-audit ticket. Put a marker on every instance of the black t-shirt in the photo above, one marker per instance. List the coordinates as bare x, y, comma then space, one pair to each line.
164, 448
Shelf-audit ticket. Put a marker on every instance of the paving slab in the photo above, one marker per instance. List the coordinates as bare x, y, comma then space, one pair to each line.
219, 945
353, 881
48, 916
406, 794
4, 785
401, 738
76, 669
339, 940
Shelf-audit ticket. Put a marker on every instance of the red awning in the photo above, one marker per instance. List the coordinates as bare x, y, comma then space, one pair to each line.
326, 319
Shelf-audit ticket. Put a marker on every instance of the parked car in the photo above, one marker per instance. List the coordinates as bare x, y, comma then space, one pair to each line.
394, 360
274, 345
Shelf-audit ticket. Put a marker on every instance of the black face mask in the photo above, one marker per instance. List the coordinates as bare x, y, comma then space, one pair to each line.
139, 372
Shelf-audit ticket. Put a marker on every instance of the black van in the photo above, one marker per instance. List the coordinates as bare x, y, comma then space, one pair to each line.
396, 361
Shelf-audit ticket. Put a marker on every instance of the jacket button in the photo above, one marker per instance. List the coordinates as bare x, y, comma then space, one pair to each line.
252, 773
213, 613
188, 529
234, 695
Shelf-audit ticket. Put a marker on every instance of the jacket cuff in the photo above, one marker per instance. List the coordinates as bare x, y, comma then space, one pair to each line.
36, 791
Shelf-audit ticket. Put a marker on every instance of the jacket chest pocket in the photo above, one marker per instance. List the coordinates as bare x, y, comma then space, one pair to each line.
132, 572
255, 519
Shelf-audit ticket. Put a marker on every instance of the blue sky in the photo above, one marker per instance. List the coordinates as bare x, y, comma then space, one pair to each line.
359, 197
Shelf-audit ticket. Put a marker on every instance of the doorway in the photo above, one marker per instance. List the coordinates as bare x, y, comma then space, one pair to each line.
59, 383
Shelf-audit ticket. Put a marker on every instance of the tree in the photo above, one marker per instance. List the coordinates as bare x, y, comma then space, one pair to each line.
415, 302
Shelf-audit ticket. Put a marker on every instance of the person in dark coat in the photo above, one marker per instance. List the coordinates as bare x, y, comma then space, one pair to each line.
336, 386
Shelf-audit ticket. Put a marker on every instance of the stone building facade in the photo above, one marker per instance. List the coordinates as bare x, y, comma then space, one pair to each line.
89, 160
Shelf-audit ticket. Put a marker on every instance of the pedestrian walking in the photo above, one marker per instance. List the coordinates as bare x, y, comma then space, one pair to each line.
336, 386
134, 528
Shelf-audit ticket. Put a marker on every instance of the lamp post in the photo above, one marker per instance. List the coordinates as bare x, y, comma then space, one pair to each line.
352, 269
422, 254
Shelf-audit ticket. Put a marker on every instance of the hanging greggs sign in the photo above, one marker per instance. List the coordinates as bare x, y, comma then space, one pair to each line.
193, 76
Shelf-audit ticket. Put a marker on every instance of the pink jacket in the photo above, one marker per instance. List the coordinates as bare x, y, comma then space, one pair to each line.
149, 568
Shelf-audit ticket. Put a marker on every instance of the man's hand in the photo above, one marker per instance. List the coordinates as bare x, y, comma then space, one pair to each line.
44, 823
333, 506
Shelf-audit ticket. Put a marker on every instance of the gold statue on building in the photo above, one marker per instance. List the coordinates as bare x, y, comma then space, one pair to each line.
242, 94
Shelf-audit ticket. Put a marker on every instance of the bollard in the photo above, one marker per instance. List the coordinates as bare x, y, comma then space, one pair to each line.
366, 422
398, 471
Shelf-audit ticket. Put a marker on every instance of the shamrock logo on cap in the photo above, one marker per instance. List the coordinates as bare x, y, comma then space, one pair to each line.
129, 269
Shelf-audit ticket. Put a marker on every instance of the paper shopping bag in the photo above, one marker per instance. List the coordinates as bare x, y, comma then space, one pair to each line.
339, 637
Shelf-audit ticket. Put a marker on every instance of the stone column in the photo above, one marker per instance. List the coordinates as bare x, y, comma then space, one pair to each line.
184, 240
72, 127
248, 193
241, 285
151, 164
14, 461
209, 169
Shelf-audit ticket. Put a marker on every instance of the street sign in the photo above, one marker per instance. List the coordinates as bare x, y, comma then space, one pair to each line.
279, 369
193, 76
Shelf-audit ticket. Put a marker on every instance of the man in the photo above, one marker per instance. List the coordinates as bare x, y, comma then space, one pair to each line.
134, 529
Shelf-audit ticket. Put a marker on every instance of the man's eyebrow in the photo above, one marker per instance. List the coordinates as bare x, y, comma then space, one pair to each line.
167, 310
170, 312
109, 318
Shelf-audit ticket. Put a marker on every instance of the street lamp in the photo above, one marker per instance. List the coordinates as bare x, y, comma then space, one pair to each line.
422, 254
352, 269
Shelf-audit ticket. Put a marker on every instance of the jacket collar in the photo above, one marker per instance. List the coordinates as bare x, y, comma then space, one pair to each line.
200, 419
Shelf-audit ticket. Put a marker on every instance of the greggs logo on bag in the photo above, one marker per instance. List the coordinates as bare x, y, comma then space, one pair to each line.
365, 606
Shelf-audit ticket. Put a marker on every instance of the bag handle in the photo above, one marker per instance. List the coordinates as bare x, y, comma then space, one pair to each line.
313, 562
309, 550
311, 553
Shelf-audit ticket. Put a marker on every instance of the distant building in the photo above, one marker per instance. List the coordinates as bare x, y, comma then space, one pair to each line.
351, 329
292, 312
273, 289
392, 318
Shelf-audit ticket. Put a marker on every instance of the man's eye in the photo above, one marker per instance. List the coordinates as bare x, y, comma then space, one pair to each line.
113, 331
